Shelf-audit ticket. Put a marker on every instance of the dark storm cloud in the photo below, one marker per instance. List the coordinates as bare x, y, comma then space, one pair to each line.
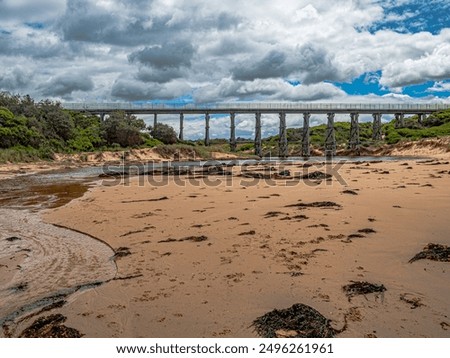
271, 66
310, 62
146, 74
84, 21
315, 63
132, 90
231, 45
135, 91
14, 79
171, 55
104, 28
65, 84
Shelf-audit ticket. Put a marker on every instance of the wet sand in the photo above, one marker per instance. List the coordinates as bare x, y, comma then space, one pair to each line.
41, 265
205, 257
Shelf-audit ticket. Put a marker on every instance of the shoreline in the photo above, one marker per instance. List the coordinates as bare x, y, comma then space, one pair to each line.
433, 147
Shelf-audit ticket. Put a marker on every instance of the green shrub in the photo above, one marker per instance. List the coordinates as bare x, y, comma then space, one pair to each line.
81, 144
21, 154
245, 147
164, 133
152, 142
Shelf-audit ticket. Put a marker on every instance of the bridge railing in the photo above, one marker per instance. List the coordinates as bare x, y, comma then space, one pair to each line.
333, 106
258, 106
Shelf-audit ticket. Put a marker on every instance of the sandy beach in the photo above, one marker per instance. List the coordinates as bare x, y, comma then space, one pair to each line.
204, 255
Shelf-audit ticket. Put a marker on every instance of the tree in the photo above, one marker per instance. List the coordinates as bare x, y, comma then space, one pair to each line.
164, 133
87, 132
56, 122
14, 130
123, 129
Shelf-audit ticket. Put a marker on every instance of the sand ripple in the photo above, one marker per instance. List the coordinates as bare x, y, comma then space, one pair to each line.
43, 260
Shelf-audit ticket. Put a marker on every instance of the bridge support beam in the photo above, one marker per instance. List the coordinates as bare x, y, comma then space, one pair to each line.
399, 120
330, 139
233, 132
354, 131
306, 152
181, 136
376, 128
283, 145
422, 117
207, 129
258, 143
155, 121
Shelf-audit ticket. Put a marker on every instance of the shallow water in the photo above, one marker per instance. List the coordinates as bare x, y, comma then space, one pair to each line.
43, 264
41, 191
40, 263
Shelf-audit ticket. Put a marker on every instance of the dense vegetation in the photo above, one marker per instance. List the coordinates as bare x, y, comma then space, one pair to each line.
435, 125
32, 130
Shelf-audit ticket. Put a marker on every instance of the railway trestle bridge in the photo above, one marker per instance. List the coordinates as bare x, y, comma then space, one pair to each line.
399, 110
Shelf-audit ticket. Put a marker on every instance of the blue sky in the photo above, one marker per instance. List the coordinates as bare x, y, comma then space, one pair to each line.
215, 51
415, 16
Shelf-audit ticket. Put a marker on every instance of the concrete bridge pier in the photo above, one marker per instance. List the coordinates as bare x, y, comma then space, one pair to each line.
330, 139
180, 136
306, 135
376, 128
155, 121
283, 145
399, 120
207, 129
354, 131
102, 117
258, 143
233, 132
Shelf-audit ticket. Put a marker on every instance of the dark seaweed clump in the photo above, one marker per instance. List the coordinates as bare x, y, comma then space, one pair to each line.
435, 252
316, 204
300, 321
362, 288
189, 238
50, 327
317, 175
13, 238
122, 252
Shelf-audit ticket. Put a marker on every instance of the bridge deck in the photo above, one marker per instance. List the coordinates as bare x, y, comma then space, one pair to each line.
263, 107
